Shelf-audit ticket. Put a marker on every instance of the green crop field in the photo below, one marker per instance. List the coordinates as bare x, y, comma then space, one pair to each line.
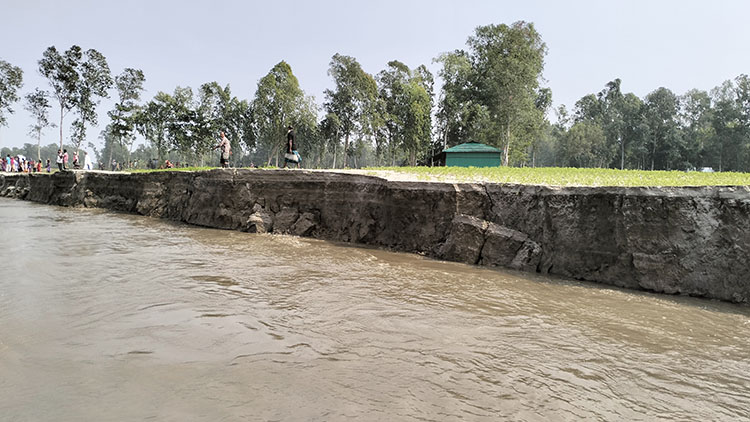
557, 176
552, 176
172, 169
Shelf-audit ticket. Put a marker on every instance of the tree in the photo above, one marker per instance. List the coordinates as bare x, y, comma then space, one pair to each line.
278, 103
61, 71
607, 109
129, 85
696, 115
37, 103
492, 92
11, 79
353, 98
727, 149
742, 100
633, 130
664, 136
181, 127
330, 130
78, 80
226, 113
585, 145
613, 104
152, 121
539, 133
407, 99
93, 82
508, 63
407, 96
461, 116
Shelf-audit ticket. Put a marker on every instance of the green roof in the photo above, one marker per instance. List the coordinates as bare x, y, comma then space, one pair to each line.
472, 147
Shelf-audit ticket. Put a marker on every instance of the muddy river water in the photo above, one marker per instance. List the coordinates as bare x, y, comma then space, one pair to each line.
113, 317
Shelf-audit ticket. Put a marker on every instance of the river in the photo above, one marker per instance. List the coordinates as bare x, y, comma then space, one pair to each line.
114, 317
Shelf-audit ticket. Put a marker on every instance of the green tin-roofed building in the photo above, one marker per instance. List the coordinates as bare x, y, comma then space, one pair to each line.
472, 154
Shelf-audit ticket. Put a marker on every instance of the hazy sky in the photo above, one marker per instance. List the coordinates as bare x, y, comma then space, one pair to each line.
677, 44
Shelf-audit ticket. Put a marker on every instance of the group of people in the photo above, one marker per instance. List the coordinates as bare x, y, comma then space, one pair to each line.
19, 164
63, 158
291, 155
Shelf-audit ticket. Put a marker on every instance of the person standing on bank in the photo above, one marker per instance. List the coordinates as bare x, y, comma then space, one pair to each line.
65, 159
87, 161
59, 160
226, 150
291, 155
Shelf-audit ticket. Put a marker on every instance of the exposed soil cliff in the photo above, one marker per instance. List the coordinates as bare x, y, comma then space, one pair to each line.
674, 240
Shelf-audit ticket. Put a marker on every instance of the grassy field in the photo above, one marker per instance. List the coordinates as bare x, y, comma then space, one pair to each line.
551, 176
556, 176
172, 169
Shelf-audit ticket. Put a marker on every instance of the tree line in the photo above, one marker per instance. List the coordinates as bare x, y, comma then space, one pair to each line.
492, 93
663, 131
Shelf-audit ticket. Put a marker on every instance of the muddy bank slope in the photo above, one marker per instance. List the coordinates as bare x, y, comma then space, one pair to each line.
690, 241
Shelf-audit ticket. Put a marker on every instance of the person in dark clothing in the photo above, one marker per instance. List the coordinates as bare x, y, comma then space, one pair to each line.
291, 155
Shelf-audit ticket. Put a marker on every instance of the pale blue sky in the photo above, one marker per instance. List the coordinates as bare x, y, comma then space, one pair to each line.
648, 44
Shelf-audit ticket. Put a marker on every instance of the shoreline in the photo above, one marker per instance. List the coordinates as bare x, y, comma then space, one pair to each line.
674, 240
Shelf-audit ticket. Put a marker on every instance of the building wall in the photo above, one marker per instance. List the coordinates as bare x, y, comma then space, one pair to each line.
475, 159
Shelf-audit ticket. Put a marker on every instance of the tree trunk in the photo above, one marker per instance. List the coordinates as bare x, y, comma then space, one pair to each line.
506, 150
160, 152
346, 150
39, 145
61, 126
111, 147
653, 155
622, 153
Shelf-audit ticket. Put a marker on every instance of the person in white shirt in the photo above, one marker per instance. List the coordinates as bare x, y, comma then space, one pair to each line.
59, 160
87, 161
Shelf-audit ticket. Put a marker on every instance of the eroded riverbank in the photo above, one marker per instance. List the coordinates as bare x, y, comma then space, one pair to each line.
674, 240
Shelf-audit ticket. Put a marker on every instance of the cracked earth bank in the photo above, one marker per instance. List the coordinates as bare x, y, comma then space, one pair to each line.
686, 240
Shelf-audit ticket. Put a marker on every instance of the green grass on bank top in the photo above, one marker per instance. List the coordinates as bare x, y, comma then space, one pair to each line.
557, 176
552, 176
172, 169
194, 169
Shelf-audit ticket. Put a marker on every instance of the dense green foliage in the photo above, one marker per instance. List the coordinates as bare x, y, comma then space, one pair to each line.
279, 102
11, 79
124, 117
352, 102
37, 104
78, 80
663, 131
492, 92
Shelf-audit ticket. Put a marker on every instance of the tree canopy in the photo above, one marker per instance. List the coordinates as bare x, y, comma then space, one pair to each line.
491, 91
11, 80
